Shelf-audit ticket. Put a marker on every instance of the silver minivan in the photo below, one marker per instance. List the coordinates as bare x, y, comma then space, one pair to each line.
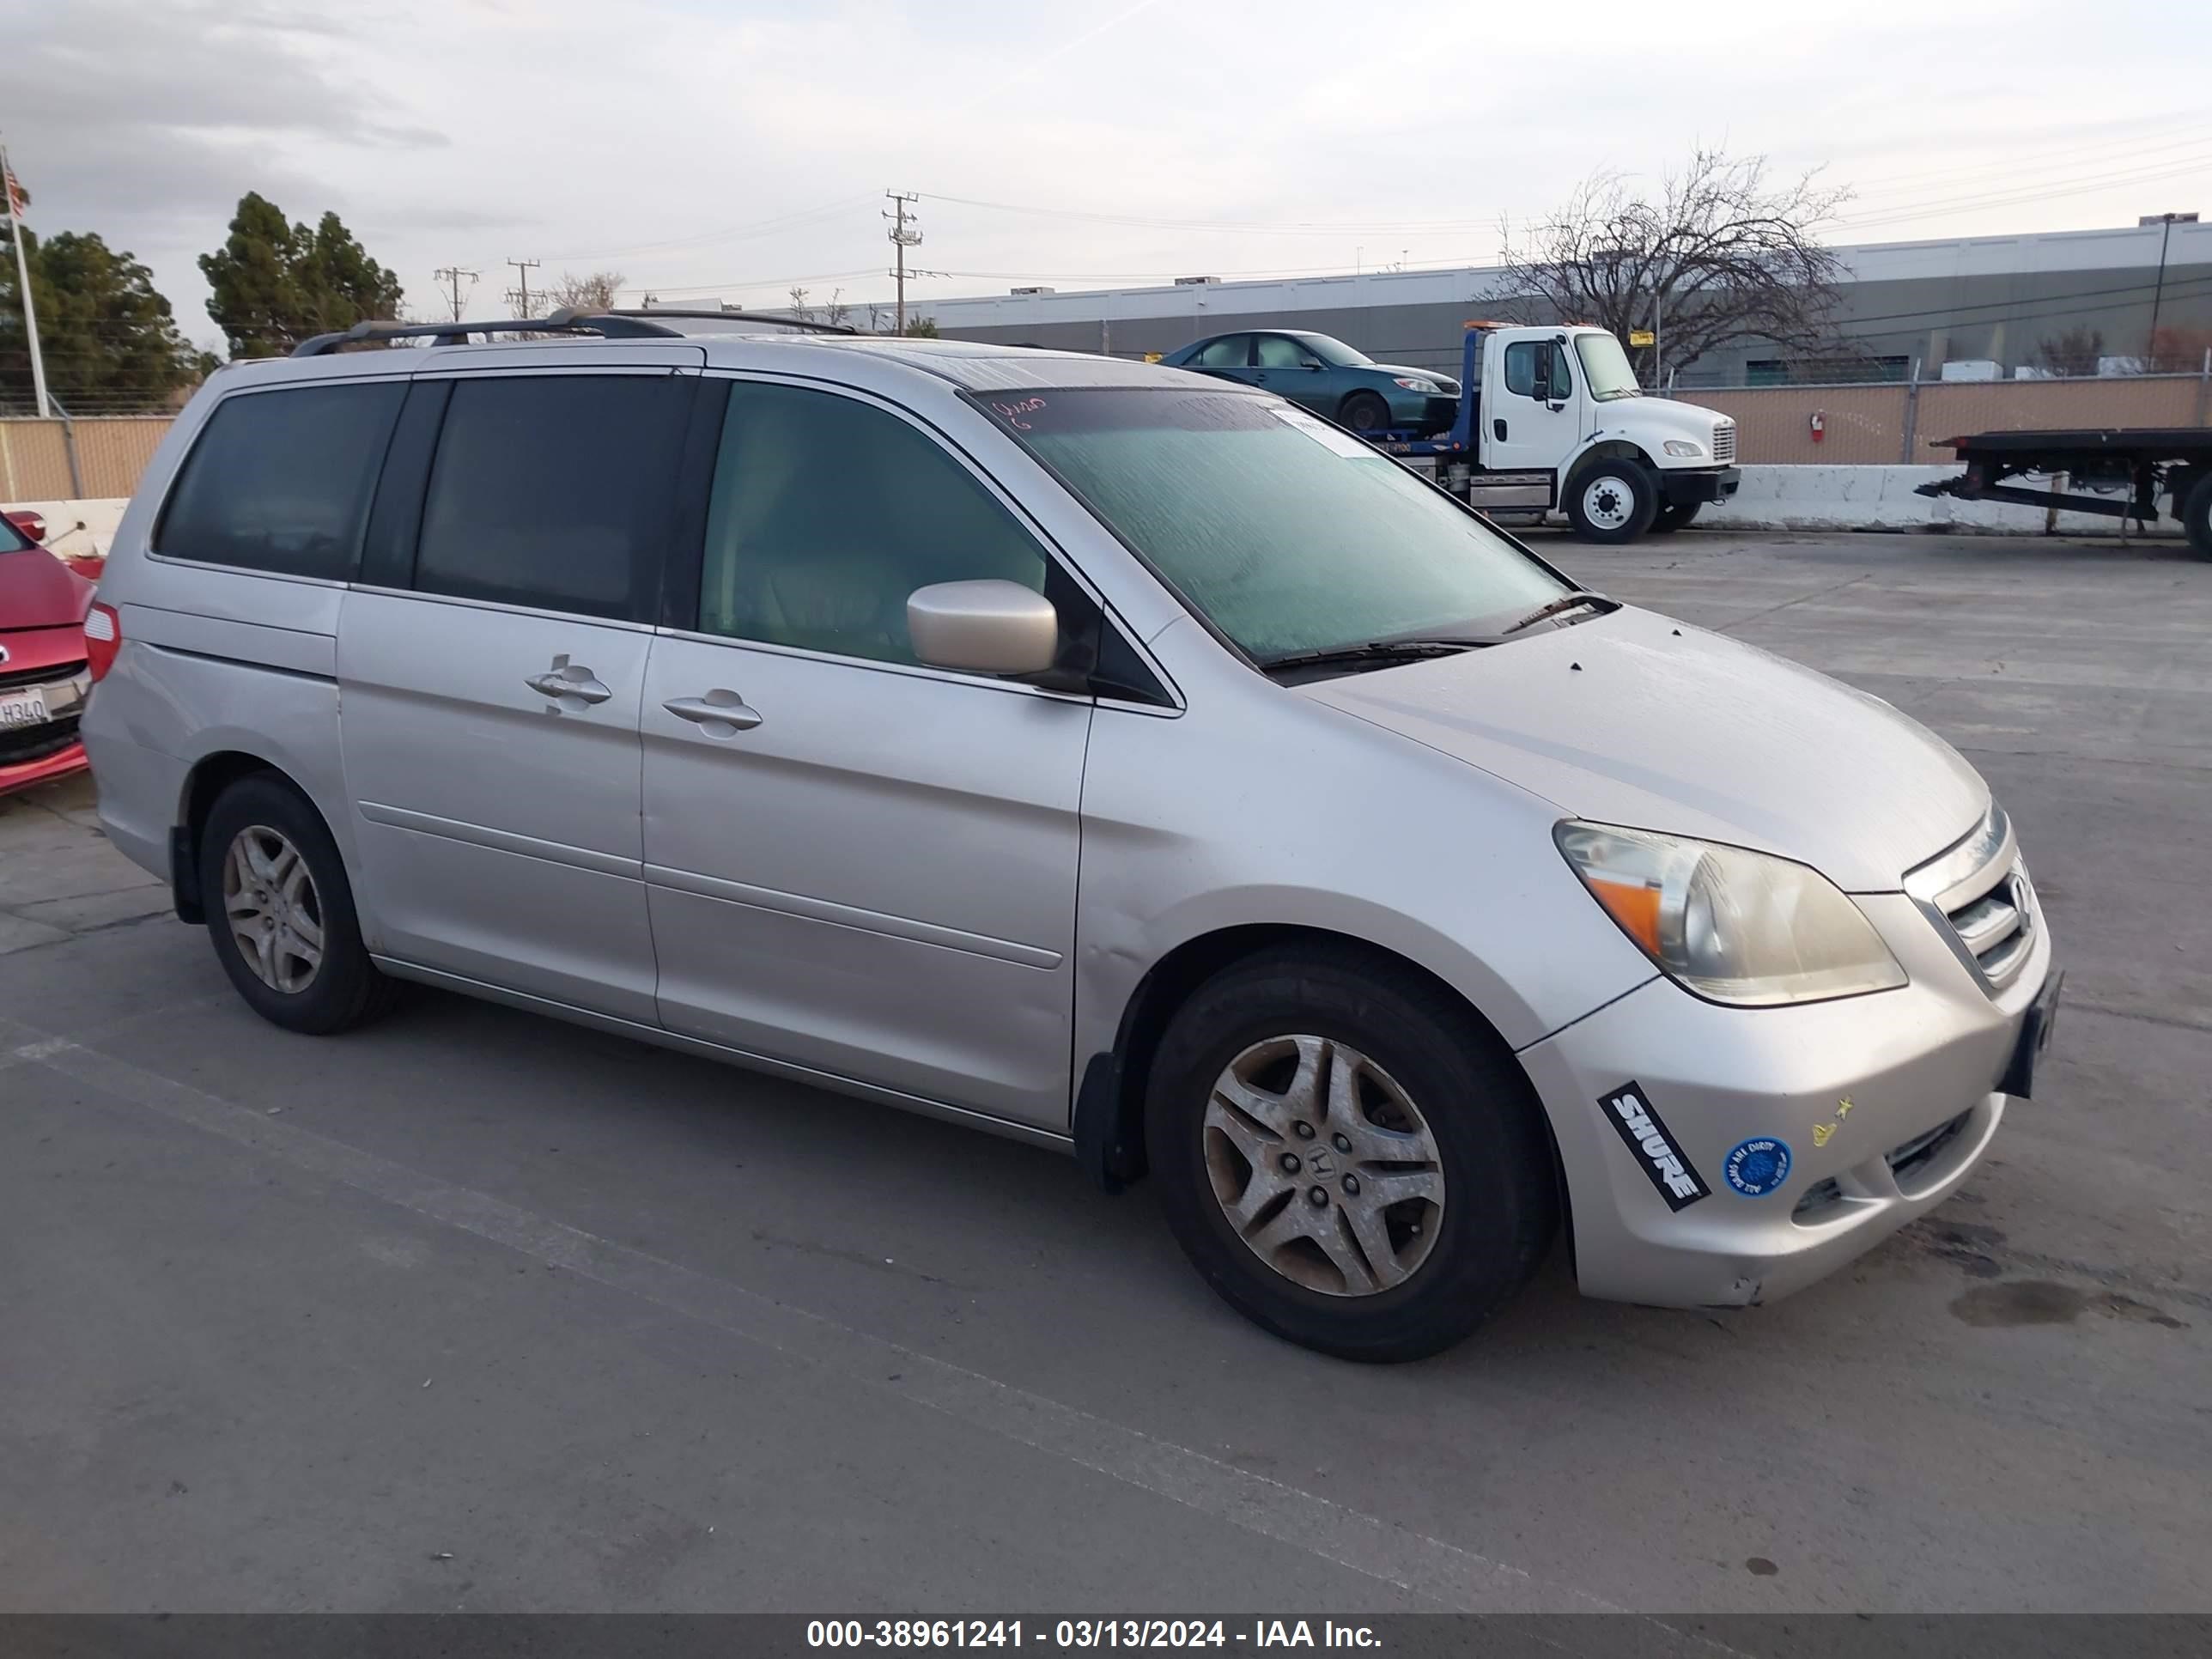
1080, 750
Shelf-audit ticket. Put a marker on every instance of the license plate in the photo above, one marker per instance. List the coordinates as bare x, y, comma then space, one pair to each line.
23, 708
2035, 1030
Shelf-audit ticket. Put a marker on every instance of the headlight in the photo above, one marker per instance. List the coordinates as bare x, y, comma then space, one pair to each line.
1683, 447
1426, 388
1731, 924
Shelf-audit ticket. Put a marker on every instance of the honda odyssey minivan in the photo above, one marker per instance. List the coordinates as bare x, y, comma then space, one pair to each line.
1083, 750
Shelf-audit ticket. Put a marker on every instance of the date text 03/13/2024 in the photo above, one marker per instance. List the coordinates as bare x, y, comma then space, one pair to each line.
1079, 1633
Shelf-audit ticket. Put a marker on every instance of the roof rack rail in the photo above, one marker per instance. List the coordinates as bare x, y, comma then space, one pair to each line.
737, 317
571, 320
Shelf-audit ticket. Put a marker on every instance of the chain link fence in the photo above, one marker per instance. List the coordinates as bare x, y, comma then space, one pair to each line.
1886, 424
91, 458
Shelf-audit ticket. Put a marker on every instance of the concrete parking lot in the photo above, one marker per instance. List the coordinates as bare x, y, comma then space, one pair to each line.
474, 1311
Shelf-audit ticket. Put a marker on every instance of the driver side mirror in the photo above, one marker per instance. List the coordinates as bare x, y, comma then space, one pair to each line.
1312, 363
991, 627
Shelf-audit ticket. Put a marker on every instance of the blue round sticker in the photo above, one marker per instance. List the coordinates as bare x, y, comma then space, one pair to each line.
1757, 1166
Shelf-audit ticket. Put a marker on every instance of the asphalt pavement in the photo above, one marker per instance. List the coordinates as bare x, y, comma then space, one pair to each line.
472, 1310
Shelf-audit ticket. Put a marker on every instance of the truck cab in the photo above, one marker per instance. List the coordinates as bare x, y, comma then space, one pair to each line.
1552, 419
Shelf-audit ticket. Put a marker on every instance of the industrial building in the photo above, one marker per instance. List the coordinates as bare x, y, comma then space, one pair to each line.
1968, 302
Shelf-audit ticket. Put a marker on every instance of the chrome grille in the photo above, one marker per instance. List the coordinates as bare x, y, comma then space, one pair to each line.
1977, 891
1725, 441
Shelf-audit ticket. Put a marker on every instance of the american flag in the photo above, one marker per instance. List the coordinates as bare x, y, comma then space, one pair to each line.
17, 200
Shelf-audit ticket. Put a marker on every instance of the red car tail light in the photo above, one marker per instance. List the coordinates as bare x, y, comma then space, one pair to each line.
103, 638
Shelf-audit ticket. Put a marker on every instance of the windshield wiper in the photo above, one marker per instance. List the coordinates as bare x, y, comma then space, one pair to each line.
1573, 601
1377, 652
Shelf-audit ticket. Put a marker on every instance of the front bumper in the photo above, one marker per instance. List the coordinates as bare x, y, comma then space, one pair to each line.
1417, 411
38, 754
1885, 1103
1687, 486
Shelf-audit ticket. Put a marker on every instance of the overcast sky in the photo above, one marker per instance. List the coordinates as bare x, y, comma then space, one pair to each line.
732, 148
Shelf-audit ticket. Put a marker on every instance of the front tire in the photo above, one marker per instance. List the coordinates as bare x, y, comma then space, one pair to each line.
1347, 1156
1611, 501
280, 911
1672, 517
1364, 412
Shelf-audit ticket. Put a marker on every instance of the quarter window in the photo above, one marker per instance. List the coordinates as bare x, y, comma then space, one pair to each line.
555, 491
827, 513
281, 481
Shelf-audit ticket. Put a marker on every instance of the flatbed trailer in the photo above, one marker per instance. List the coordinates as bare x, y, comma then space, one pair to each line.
2129, 469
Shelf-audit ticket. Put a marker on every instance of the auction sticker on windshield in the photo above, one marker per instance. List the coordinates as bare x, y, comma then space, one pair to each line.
1340, 443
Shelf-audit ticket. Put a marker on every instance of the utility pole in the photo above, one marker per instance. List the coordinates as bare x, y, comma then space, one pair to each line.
452, 275
904, 235
520, 296
2158, 294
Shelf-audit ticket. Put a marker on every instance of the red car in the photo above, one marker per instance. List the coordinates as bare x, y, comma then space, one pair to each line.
43, 674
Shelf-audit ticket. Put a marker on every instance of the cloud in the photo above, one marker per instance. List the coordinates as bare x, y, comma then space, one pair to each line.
734, 147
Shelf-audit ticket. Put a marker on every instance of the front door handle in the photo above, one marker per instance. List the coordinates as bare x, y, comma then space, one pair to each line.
720, 713
565, 679
1498, 428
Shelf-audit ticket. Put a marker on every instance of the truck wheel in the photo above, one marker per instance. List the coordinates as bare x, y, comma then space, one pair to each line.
1611, 501
1672, 516
2196, 515
1363, 411
1347, 1157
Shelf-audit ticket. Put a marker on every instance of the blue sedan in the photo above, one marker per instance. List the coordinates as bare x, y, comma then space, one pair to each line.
1327, 377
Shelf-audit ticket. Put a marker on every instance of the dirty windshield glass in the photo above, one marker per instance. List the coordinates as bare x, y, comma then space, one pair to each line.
1285, 533
1605, 366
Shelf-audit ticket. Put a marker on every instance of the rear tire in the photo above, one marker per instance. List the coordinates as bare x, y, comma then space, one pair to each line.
2196, 515
1348, 1068
280, 911
1611, 501
1672, 516
1364, 412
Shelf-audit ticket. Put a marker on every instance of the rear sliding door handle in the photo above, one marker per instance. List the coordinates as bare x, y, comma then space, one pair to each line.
720, 713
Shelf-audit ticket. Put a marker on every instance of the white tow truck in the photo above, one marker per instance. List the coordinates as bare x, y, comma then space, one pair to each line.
1552, 419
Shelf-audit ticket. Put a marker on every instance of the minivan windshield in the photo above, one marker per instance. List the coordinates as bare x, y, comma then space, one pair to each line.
1605, 367
1287, 535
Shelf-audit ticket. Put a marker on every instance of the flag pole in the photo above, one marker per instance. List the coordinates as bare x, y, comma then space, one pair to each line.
24, 287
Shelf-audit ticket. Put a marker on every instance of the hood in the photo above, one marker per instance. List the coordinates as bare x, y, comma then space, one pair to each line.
37, 590
1646, 418
1634, 720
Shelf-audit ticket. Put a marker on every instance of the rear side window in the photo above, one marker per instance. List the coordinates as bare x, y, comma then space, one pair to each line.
555, 491
1232, 351
281, 481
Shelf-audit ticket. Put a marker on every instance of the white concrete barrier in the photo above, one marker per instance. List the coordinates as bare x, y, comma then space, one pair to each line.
1883, 498
85, 526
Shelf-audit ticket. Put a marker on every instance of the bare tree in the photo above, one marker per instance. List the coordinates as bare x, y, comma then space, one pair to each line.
799, 306
2073, 353
593, 293
1719, 255
837, 313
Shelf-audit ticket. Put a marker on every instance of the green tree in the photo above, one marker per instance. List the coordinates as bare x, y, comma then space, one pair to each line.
109, 339
276, 283
922, 328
